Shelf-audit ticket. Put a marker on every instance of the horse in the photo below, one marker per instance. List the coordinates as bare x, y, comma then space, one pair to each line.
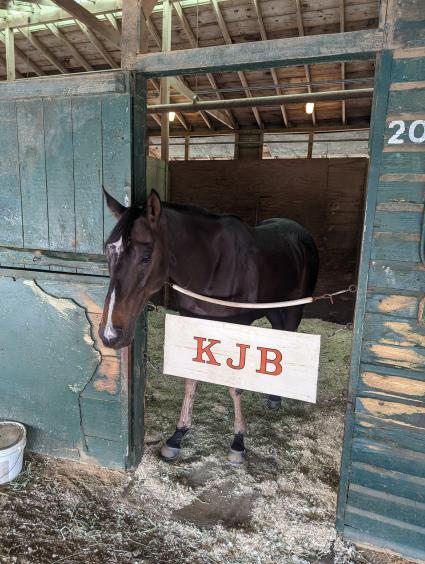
211, 254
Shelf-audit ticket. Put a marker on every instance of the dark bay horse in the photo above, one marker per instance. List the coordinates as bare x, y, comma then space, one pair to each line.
214, 255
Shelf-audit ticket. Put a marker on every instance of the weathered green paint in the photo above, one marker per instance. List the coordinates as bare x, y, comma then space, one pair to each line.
382, 490
78, 398
10, 196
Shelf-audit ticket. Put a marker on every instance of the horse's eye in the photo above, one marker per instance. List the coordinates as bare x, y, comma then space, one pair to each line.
146, 259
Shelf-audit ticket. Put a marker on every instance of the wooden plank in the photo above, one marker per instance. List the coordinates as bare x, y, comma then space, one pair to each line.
395, 483
407, 415
398, 305
406, 70
399, 221
53, 60
33, 173
97, 44
385, 504
249, 358
413, 192
396, 246
79, 59
390, 457
60, 173
10, 193
112, 82
262, 54
134, 23
87, 136
116, 153
410, 101
397, 275
404, 162
90, 20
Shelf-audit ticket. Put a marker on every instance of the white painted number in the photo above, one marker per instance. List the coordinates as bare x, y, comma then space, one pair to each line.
394, 139
412, 131
416, 131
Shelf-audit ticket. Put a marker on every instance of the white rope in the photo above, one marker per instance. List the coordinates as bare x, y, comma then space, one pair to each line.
241, 305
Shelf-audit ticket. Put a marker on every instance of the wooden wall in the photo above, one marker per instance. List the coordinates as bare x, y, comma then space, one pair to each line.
324, 195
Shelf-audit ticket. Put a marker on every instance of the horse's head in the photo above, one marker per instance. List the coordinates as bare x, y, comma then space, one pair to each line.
138, 267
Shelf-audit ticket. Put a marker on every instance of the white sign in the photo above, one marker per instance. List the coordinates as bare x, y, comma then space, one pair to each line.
281, 363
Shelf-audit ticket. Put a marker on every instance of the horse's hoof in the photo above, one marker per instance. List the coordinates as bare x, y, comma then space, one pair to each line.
274, 403
169, 453
236, 457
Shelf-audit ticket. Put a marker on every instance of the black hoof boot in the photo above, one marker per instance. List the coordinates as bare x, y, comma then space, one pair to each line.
170, 450
274, 402
237, 452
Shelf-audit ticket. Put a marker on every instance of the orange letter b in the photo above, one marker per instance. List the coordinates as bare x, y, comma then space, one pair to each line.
276, 361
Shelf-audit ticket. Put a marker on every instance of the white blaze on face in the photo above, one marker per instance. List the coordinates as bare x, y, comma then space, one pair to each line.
109, 331
117, 246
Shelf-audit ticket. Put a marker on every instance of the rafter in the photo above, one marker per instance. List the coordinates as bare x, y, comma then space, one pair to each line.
97, 44
342, 29
33, 67
35, 41
242, 77
78, 12
75, 54
194, 43
179, 116
301, 33
264, 37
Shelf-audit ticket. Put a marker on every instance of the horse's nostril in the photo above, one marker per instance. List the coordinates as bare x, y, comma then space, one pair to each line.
111, 338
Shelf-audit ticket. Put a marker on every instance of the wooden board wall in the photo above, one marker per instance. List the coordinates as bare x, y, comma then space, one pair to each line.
324, 195
382, 490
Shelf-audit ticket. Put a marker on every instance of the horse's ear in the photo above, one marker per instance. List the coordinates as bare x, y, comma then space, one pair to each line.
153, 207
116, 208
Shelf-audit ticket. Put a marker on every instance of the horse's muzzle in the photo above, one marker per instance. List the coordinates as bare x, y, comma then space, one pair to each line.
117, 341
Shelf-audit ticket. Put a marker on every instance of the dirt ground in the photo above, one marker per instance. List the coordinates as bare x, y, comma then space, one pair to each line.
278, 508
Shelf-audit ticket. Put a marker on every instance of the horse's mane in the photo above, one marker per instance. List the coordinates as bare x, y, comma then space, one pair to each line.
125, 224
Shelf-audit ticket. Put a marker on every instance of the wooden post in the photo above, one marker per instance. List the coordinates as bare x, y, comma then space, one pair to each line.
134, 38
10, 54
249, 145
186, 146
165, 83
310, 145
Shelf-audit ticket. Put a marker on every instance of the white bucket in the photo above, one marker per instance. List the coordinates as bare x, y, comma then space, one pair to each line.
13, 438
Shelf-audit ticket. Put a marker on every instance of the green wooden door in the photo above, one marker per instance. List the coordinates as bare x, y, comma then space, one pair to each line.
382, 492
63, 138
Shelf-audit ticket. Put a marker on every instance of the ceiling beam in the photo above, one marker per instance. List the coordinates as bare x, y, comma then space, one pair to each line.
35, 41
264, 37
286, 52
268, 101
301, 33
242, 77
179, 116
76, 55
97, 44
194, 43
78, 12
33, 67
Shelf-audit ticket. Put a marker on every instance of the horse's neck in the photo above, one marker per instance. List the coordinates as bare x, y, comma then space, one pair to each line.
189, 253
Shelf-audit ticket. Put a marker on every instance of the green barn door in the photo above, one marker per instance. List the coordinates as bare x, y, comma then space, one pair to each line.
63, 138
382, 492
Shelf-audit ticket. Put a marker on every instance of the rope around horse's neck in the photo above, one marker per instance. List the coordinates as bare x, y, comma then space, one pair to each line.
351, 289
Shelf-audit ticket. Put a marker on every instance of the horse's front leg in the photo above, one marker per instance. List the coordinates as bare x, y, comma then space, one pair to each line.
236, 454
171, 449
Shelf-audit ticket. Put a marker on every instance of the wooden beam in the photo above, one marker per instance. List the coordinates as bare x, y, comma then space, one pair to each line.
33, 67
97, 44
81, 14
165, 84
194, 43
44, 51
179, 116
264, 37
76, 55
293, 51
113, 21
135, 14
342, 29
242, 77
301, 33
10, 54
